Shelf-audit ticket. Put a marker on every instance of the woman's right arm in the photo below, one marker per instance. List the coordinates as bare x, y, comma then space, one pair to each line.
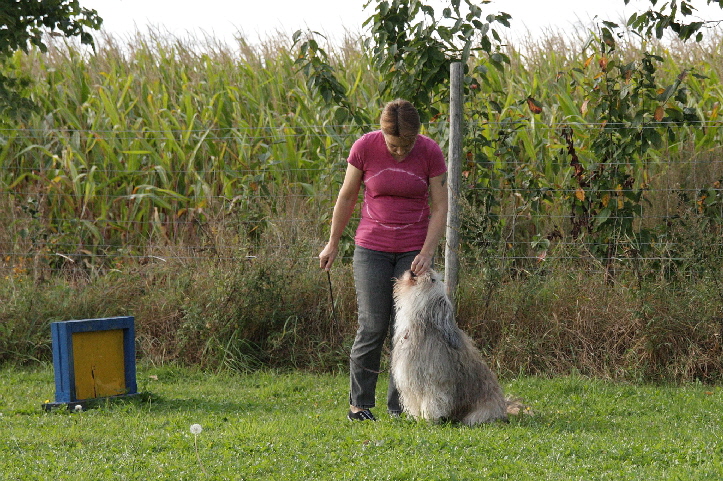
343, 209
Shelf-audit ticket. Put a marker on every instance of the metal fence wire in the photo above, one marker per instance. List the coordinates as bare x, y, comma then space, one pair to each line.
99, 199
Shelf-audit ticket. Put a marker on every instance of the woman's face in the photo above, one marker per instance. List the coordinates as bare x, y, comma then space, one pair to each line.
398, 147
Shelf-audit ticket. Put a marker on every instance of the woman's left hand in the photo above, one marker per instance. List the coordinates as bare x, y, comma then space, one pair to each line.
437, 224
421, 264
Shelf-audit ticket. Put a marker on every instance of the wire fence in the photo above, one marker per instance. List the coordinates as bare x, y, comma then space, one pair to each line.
64, 199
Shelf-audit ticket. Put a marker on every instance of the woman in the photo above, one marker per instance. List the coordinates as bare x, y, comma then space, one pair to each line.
403, 217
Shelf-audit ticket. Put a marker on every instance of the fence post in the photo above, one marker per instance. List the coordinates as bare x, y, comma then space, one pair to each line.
454, 164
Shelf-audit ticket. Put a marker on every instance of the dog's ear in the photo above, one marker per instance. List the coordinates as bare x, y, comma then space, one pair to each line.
444, 321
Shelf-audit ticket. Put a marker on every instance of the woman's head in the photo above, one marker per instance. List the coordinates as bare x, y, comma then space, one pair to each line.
400, 126
400, 119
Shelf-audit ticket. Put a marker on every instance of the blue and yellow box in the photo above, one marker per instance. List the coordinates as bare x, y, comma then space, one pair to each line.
93, 359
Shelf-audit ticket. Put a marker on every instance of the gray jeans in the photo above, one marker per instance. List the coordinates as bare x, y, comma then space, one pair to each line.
374, 274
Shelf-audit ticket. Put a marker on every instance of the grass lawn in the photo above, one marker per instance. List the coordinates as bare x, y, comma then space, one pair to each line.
292, 426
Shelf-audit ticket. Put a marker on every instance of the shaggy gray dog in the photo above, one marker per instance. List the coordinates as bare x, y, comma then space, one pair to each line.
438, 371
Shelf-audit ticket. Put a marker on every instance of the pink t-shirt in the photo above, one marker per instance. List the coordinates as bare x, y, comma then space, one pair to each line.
395, 212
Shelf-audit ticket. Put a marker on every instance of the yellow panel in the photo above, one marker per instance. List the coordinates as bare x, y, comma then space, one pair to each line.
98, 363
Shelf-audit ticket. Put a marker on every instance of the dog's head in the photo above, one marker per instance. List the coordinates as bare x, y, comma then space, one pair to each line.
430, 284
423, 300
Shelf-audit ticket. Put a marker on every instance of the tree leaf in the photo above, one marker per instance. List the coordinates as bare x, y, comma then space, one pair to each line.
602, 216
603, 62
659, 113
580, 194
534, 106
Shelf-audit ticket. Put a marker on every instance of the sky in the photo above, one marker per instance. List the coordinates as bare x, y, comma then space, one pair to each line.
261, 19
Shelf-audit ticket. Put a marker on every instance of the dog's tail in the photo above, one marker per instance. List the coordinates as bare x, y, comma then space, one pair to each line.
516, 407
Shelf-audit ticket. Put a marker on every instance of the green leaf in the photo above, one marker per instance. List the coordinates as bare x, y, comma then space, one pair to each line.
603, 215
428, 10
383, 8
341, 116
465, 52
659, 30
663, 97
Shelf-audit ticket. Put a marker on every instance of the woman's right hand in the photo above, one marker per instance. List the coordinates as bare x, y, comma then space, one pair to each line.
327, 256
343, 209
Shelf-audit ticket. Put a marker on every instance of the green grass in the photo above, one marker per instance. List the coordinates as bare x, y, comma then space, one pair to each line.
292, 426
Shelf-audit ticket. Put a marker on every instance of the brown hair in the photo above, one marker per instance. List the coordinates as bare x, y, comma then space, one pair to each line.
400, 119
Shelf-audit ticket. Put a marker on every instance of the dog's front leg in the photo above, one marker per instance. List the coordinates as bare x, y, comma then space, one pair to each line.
437, 407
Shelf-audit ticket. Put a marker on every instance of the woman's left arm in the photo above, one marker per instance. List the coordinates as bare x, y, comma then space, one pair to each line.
437, 224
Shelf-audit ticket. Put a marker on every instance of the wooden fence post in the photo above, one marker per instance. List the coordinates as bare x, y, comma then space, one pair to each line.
454, 167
